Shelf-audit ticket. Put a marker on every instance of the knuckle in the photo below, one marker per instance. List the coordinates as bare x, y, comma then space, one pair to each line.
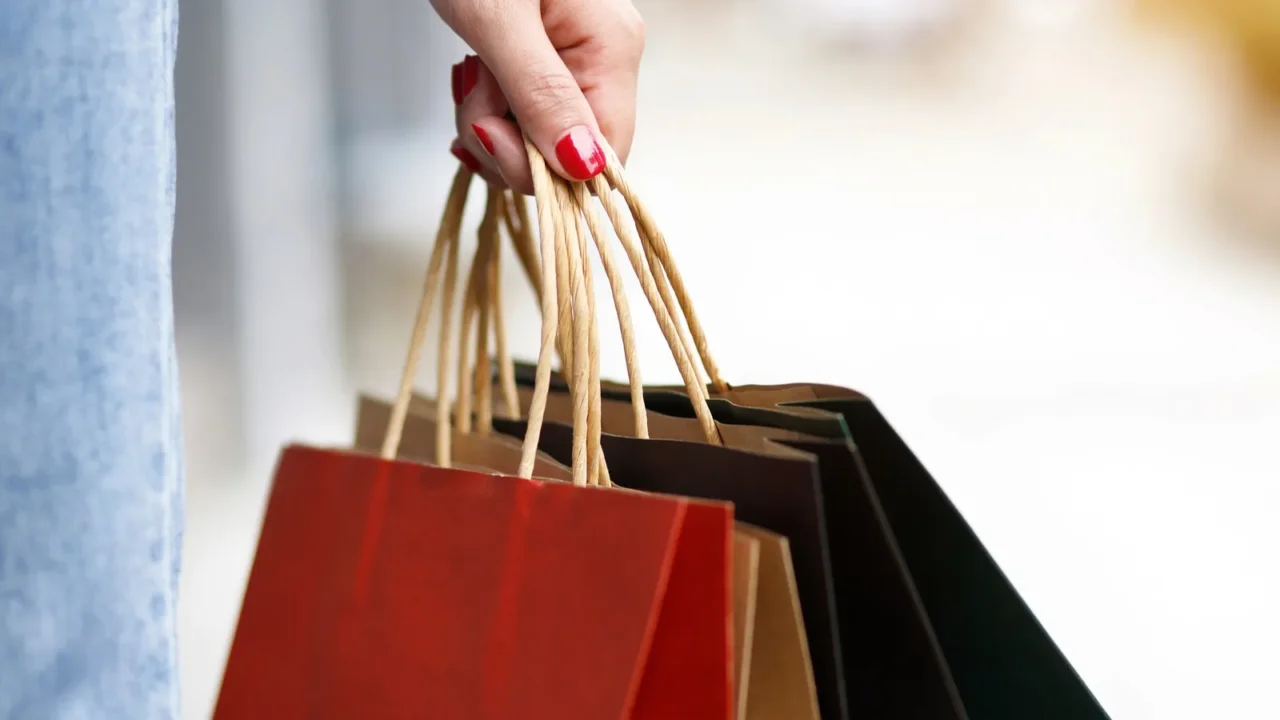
633, 29
550, 93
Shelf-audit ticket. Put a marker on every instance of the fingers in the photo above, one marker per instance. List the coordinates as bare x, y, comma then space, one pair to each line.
565, 70
466, 158
601, 42
484, 129
503, 145
463, 81
542, 92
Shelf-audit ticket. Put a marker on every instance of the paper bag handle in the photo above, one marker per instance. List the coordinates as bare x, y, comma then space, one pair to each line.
445, 244
654, 285
568, 313
482, 305
562, 217
663, 265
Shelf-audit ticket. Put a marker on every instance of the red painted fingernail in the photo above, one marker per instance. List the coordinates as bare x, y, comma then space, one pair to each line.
483, 137
579, 153
470, 72
455, 83
464, 156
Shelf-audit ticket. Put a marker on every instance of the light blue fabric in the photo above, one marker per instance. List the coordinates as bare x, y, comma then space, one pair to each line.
90, 448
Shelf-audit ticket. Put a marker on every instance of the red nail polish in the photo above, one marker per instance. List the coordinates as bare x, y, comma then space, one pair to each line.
470, 72
484, 139
455, 83
579, 153
465, 157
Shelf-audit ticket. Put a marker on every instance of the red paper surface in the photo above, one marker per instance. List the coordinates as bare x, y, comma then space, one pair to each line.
391, 589
690, 668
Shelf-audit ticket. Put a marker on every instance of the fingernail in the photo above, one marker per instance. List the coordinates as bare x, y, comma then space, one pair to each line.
464, 156
483, 137
455, 83
470, 72
579, 153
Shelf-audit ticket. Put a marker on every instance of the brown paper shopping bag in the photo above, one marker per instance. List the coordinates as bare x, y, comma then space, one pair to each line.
774, 678
491, 452
780, 675
746, 581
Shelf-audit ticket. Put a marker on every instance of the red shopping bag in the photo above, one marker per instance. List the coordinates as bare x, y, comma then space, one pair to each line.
391, 589
385, 588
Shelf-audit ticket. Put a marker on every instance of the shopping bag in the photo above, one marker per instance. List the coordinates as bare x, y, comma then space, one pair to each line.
778, 493
778, 679
890, 665
954, 624
768, 627
974, 648
388, 588
1002, 661
492, 452
746, 584
807, 521
769, 630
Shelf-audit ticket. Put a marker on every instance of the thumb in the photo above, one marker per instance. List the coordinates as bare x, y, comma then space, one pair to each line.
544, 96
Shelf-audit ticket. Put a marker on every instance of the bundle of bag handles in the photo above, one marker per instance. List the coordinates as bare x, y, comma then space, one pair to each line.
558, 268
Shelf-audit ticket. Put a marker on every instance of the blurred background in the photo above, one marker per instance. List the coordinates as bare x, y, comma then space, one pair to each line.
1043, 234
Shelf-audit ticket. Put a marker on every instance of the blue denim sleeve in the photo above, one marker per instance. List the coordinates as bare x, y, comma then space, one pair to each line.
90, 447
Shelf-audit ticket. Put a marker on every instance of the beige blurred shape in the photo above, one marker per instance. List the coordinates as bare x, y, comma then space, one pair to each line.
1251, 27
1248, 182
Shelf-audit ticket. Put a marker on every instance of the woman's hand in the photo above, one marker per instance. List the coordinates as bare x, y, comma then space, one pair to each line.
566, 69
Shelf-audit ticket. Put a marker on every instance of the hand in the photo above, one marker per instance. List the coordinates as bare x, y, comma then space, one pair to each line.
566, 69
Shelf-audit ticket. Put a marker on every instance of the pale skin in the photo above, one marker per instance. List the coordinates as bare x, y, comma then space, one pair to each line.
567, 69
